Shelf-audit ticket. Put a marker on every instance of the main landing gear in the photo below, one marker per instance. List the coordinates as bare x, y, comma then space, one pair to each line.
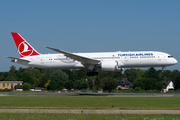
163, 69
92, 73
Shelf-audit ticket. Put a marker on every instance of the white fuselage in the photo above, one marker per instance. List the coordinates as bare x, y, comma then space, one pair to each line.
124, 60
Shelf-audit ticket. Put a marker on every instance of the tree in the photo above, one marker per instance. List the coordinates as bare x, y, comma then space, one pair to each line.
37, 73
47, 84
68, 84
110, 85
159, 86
140, 73
20, 73
148, 83
4, 75
177, 81
97, 82
52, 86
138, 84
1, 77
27, 78
9, 78
37, 83
59, 77
166, 75
30, 75
83, 85
117, 75
45, 77
90, 83
104, 74
77, 84
151, 73
71, 75
12, 72
130, 74
132, 78
174, 75
81, 74
26, 86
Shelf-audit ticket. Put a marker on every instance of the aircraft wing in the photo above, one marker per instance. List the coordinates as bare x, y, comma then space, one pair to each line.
18, 59
87, 62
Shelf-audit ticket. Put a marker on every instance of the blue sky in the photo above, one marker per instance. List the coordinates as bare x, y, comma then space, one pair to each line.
91, 26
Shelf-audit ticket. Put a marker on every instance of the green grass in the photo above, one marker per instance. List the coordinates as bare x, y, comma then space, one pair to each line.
47, 116
70, 102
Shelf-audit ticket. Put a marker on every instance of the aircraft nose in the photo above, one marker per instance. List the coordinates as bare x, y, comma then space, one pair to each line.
175, 61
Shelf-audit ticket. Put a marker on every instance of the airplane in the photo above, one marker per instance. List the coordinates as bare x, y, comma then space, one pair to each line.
107, 61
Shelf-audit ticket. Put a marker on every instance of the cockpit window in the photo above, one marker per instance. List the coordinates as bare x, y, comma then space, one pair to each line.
170, 56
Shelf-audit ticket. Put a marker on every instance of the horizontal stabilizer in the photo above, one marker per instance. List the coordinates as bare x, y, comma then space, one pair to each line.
17, 59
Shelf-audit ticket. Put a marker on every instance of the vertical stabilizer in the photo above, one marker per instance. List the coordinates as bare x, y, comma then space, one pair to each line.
24, 48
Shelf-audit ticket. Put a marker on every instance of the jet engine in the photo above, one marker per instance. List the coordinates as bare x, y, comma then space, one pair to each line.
112, 66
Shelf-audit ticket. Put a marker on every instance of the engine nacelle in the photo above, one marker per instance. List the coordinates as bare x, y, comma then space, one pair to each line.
112, 66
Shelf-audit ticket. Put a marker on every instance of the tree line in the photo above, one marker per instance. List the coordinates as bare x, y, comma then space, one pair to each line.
149, 79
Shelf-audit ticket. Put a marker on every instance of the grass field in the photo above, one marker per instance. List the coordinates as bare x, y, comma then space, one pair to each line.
47, 116
70, 102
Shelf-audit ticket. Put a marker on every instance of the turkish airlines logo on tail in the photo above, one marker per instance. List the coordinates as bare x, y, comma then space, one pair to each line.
24, 49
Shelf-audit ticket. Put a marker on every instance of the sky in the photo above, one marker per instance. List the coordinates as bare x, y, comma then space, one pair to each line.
90, 26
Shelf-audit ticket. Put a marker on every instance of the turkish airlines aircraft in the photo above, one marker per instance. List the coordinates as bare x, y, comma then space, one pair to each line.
108, 61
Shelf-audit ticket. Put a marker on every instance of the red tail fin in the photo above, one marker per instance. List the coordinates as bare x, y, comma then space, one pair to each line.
24, 48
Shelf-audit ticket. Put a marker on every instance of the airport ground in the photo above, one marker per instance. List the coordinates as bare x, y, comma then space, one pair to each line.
55, 116
89, 106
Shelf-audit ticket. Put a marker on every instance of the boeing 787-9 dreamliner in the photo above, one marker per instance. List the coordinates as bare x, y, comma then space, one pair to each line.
107, 61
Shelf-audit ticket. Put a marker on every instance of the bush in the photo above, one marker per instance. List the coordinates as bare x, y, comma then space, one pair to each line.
68, 84
26, 86
83, 85
59, 77
110, 85
6, 90
137, 89
138, 84
178, 90
130, 90
145, 83
47, 84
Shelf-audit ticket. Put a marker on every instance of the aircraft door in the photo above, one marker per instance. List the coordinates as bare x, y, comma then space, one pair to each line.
159, 57
164, 59
126, 58
42, 60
